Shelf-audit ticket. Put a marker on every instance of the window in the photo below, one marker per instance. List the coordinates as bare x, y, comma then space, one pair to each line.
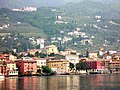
52, 49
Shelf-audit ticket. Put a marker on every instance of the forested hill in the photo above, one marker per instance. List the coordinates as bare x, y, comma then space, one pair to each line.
106, 8
35, 3
44, 21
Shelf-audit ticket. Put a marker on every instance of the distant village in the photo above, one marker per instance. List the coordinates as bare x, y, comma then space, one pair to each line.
25, 9
48, 59
64, 62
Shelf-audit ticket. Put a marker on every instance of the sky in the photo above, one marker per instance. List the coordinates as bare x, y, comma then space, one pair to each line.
39, 3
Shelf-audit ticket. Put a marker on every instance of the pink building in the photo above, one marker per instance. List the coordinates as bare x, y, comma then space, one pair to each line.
95, 65
27, 67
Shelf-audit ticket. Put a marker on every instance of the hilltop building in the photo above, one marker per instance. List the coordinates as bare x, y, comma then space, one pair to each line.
28, 9
41, 42
51, 49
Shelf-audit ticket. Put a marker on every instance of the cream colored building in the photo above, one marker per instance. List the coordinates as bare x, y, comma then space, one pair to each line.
59, 66
52, 49
92, 55
12, 57
73, 58
41, 62
67, 51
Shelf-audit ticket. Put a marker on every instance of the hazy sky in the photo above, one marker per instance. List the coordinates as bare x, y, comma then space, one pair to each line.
38, 3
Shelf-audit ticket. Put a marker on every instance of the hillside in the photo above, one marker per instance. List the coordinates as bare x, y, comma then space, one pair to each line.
35, 3
106, 29
45, 23
91, 8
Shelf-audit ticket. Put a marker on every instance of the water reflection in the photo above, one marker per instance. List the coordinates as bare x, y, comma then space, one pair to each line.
73, 82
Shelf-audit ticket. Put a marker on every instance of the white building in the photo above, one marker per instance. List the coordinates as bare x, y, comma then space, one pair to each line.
12, 69
26, 58
28, 9
41, 62
59, 17
40, 41
98, 17
73, 58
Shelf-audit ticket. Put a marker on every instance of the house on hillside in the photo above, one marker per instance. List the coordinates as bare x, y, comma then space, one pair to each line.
51, 49
41, 42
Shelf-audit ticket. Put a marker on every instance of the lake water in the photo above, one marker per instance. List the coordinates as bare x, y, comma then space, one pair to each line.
71, 82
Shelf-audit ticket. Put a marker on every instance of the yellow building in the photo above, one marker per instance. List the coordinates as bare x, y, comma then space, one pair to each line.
92, 55
60, 66
52, 49
115, 63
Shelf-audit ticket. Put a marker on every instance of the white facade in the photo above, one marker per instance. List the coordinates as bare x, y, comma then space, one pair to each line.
59, 17
28, 9
41, 62
41, 42
12, 57
26, 58
73, 58
12, 69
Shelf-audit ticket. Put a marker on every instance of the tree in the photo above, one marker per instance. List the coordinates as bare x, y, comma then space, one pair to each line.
21, 55
30, 55
46, 70
52, 55
82, 66
78, 67
39, 71
42, 55
13, 53
71, 66
37, 54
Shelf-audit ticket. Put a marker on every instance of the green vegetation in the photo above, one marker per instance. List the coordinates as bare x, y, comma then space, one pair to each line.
72, 66
46, 70
81, 66
77, 15
41, 55
39, 71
